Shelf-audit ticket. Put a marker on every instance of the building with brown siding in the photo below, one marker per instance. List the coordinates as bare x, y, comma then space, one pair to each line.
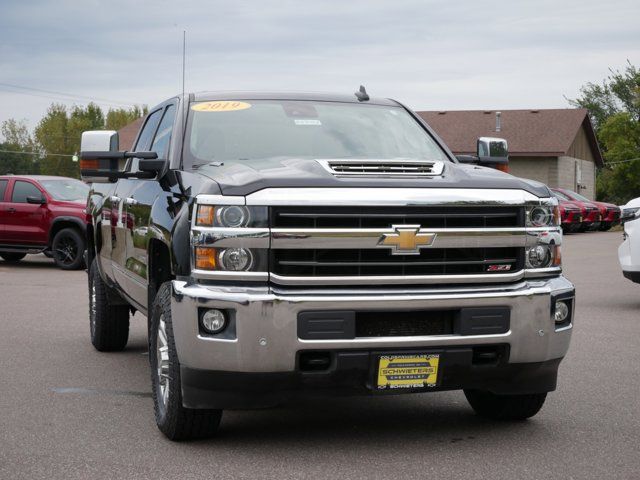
557, 147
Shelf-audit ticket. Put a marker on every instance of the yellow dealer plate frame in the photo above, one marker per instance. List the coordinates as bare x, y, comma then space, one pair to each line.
407, 371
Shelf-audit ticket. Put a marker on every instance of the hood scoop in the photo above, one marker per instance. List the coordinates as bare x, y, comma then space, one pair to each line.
383, 168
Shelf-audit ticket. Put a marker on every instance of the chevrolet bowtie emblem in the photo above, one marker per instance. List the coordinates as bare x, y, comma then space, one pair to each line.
406, 239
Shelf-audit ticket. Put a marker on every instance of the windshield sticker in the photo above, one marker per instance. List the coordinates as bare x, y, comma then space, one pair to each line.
221, 106
307, 121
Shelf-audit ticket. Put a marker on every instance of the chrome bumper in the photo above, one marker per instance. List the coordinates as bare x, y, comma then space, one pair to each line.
266, 322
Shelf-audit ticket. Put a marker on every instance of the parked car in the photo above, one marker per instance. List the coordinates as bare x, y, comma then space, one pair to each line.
570, 216
289, 245
629, 251
590, 212
43, 214
609, 213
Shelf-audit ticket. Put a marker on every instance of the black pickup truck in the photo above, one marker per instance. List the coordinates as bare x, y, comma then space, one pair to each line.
284, 245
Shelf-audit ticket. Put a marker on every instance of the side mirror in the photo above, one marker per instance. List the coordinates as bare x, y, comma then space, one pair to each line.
100, 160
99, 155
493, 152
36, 200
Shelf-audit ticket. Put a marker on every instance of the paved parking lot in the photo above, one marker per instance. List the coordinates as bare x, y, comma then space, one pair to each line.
70, 412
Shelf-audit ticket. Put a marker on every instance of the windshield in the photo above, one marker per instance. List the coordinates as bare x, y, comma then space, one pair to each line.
66, 189
258, 129
579, 197
560, 195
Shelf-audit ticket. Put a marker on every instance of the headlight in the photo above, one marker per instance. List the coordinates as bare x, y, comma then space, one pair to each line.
235, 259
539, 256
231, 216
543, 216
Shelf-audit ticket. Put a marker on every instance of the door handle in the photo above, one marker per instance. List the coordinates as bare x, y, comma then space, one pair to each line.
11, 210
130, 201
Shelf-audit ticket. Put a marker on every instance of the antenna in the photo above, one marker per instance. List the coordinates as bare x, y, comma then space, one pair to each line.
184, 49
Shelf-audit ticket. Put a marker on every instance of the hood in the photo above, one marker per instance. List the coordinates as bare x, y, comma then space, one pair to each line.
569, 205
246, 177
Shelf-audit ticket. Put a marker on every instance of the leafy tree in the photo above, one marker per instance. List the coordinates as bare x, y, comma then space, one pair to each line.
614, 108
17, 139
119, 117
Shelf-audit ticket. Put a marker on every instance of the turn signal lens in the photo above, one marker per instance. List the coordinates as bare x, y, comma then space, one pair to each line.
556, 215
206, 258
557, 256
205, 215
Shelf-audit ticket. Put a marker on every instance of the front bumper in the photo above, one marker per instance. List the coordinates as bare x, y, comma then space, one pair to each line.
265, 346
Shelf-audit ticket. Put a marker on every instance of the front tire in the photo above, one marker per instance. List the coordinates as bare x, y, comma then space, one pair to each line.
11, 257
109, 324
174, 420
68, 249
505, 407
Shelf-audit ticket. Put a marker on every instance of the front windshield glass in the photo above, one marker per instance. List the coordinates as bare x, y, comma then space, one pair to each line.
580, 197
66, 189
561, 196
259, 129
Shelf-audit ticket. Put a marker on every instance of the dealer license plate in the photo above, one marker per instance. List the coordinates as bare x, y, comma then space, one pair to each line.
407, 371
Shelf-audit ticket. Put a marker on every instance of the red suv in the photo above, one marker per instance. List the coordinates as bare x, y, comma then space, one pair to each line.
43, 214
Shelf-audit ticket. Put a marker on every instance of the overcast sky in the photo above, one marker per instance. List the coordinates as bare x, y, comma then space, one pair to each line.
433, 55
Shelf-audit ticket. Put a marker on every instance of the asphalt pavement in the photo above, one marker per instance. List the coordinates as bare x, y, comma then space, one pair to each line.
70, 412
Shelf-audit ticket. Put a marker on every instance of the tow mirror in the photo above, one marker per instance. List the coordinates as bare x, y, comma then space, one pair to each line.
100, 160
490, 152
493, 152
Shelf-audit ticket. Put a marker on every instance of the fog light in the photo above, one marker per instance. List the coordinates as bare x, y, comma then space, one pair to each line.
214, 321
235, 259
562, 312
539, 256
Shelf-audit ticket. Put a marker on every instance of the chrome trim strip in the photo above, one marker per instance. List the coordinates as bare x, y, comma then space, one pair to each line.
390, 197
229, 276
230, 237
405, 280
220, 200
332, 238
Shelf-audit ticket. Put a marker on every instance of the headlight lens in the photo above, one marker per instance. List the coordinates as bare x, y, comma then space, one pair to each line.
232, 216
541, 216
235, 259
539, 256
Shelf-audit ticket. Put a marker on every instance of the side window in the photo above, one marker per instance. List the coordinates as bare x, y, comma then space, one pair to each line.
163, 135
3, 188
22, 190
144, 140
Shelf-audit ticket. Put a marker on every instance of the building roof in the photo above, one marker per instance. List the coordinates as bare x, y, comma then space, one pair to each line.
531, 133
128, 134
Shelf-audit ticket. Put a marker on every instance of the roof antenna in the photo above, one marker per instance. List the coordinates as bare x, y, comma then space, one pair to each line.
184, 48
362, 94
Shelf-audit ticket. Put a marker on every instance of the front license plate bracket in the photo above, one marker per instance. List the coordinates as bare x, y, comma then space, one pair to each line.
407, 371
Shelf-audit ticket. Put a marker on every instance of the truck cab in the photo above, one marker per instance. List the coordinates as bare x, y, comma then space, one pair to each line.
285, 245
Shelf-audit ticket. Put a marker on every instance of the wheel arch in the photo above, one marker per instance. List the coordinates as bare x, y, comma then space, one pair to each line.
60, 223
159, 268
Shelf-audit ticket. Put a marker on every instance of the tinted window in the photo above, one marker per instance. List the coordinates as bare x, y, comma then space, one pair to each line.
161, 142
144, 141
22, 190
67, 189
3, 188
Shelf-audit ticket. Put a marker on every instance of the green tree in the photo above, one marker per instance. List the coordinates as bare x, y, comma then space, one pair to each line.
17, 139
119, 117
614, 108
